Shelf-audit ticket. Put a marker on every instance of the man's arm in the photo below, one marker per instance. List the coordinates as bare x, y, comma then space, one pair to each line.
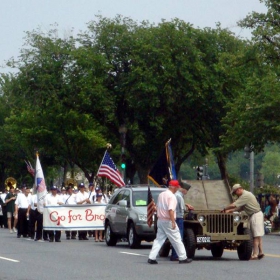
171, 214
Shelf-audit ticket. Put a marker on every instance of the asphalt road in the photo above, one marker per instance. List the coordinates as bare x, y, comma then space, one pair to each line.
23, 259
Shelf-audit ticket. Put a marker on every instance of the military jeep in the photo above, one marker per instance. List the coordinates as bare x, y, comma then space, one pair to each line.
206, 227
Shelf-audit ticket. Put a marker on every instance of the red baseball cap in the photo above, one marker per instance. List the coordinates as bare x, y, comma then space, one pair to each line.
174, 183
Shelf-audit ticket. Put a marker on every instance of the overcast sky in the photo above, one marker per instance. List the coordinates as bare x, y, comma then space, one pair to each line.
17, 16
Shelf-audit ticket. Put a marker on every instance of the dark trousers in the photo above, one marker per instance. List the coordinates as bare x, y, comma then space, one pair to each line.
35, 217
32, 222
54, 235
4, 210
71, 233
39, 220
82, 234
1, 221
22, 222
45, 233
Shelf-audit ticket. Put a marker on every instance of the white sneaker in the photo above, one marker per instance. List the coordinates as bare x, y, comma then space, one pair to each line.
15, 230
11, 231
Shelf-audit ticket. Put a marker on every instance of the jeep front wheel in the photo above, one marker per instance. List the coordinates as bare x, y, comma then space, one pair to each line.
190, 242
133, 239
110, 238
244, 250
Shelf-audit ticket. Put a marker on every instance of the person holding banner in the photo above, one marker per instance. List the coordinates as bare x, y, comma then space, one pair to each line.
82, 198
53, 199
70, 199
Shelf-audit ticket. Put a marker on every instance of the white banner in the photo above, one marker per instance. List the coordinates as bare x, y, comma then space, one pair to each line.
74, 217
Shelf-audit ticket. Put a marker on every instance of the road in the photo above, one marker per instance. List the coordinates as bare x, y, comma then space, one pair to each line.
23, 259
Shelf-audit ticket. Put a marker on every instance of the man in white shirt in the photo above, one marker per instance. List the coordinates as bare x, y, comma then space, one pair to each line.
82, 198
53, 199
70, 199
21, 206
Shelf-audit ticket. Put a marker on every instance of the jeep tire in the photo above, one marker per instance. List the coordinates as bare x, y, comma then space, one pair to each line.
189, 242
244, 250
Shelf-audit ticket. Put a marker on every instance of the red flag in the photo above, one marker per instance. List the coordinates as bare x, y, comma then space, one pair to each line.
150, 208
108, 169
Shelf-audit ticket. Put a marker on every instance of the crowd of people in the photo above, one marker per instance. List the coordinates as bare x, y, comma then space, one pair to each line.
19, 213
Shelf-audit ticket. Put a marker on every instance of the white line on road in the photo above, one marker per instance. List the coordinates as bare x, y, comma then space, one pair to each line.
6, 259
127, 253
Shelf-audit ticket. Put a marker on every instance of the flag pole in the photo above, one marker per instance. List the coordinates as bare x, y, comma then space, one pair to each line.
101, 162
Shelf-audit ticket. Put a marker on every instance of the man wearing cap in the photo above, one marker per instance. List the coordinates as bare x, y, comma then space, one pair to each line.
82, 198
248, 203
53, 199
166, 225
21, 207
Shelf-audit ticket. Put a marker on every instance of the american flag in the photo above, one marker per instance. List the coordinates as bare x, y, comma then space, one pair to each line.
30, 169
150, 208
109, 170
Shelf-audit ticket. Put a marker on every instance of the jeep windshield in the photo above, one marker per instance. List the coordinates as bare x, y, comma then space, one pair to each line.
140, 198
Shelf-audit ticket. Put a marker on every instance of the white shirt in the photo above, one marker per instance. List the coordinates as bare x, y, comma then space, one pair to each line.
52, 200
33, 201
70, 199
22, 201
82, 196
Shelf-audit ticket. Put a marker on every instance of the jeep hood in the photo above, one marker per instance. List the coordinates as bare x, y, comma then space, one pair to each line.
208, 194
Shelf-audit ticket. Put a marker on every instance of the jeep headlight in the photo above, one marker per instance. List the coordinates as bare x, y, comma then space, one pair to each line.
142, 217
201, 219
236, 218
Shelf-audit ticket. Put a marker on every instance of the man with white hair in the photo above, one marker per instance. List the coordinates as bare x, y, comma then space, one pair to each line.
248, 203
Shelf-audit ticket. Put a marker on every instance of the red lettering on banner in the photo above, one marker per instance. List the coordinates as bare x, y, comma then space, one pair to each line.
55, 218
73, 217
93, 217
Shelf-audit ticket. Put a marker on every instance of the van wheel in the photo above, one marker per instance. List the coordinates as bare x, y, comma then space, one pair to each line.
244, 250
110, 237
217, 250
133, 239
190, 242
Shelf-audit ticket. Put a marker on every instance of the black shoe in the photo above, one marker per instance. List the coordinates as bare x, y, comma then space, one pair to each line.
80, 238
68, 237
73, 237
174, 259
46, 239
152, 261
186, 261
58, 240
51, 240
85, 238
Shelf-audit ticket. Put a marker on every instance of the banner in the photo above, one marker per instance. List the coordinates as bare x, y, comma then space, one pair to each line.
74, 217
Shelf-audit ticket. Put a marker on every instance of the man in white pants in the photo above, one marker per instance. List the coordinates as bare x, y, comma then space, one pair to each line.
166, 225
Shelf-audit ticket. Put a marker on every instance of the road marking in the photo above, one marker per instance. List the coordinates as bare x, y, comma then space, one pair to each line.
266, 255
6, 259
134, 254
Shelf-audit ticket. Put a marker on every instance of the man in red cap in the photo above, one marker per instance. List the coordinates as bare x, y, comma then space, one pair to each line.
166, 225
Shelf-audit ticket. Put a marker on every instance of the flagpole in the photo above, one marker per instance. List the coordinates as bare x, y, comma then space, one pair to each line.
101, 162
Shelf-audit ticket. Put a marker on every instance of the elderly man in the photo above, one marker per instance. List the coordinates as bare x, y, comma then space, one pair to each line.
248, 203
166, 225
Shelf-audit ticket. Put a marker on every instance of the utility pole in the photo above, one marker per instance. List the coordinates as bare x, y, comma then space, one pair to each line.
249, 154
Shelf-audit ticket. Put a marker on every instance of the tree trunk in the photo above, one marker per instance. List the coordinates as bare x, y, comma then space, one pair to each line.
143, 174
222, 166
